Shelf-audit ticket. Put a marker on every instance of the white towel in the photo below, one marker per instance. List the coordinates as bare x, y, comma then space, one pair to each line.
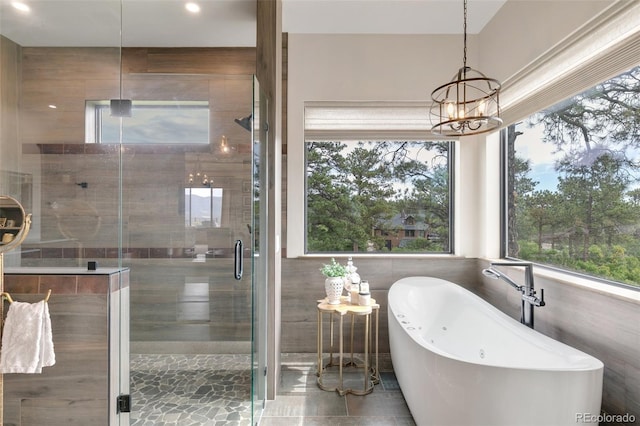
27, 341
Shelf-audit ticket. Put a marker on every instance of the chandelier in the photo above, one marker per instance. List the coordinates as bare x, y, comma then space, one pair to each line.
468, 104
197, 177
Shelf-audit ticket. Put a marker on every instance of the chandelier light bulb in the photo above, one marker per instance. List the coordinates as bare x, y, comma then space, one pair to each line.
481, 108
451, 110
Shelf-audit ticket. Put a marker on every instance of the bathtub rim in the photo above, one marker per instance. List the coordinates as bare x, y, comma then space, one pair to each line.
593, 363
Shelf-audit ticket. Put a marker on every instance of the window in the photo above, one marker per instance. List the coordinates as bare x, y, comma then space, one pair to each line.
573, 198
151, 122
372, 196
203, 207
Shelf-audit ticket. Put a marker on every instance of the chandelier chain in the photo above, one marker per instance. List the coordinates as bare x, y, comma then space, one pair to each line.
464, 28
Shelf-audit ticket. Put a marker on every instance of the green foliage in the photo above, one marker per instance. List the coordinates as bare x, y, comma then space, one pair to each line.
607, 262
333, 269
591, 222
419, 244
354, 191
587, 226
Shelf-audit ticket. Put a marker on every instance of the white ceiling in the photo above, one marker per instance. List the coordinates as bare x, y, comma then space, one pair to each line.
386, 16
166, 23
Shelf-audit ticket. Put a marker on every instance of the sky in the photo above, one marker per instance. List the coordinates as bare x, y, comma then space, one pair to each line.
529, 145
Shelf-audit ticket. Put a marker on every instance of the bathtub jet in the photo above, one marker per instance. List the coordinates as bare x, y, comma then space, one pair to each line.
529, 298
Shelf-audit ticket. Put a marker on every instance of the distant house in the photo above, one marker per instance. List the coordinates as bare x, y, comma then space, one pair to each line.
401, 229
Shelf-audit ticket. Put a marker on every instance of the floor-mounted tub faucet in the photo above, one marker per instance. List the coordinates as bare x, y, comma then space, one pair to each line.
529, 298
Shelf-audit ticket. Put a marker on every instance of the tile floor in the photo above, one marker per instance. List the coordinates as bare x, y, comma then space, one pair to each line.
190, 390
214, 390
301, 402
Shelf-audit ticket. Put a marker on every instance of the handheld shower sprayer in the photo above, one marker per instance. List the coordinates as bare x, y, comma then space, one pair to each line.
496, 275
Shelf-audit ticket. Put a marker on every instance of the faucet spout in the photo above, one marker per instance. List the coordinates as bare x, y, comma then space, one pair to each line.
529, 298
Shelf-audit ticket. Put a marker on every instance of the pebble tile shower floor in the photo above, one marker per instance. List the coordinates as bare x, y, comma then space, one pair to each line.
215, 390
190, 390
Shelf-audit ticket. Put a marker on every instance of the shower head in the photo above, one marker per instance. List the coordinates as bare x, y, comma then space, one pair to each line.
245, 122
491, 273
495, 274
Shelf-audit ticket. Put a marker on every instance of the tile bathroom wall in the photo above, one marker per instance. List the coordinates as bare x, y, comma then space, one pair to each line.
74, 391
601, 324
74, 223
605, 326
303, 285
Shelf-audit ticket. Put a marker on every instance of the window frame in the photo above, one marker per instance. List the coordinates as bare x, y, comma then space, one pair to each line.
451, 196
94, 110
603, 48
504, 228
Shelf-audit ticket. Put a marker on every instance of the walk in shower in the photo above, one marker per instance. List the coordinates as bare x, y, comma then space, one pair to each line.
142, 158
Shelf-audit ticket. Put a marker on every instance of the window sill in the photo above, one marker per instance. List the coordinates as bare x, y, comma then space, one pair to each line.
583, 282
375, 255
611, 290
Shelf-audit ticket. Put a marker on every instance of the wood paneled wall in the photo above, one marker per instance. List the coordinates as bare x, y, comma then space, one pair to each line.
152, 176
59, 158
68, 77
218, 60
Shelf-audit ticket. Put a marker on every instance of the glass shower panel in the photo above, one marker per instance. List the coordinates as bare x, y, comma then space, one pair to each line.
259, 243
72, 190
128, 198
184, 206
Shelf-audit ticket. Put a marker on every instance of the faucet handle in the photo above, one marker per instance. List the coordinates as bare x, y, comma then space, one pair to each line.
533, 299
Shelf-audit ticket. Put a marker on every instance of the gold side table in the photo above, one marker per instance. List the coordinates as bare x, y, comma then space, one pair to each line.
371, 374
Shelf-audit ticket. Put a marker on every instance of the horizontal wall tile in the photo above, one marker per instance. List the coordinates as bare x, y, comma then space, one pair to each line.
26, 284
94, 284
68, 412
59, 284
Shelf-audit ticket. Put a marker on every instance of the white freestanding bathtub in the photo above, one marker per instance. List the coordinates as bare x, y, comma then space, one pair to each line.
460, 361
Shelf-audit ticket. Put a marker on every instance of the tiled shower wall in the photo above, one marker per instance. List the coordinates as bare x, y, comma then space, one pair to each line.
76, 196
77, 189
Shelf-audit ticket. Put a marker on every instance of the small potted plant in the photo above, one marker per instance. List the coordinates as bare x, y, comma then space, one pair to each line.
334, 282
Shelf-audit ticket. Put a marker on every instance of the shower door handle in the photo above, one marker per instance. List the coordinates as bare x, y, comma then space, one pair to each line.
237, 260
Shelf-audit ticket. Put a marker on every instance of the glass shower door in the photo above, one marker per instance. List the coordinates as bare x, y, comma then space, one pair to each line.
186, 221
187, 179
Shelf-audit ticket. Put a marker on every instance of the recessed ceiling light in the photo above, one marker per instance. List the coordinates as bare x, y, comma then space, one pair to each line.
192, 7
22, 7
